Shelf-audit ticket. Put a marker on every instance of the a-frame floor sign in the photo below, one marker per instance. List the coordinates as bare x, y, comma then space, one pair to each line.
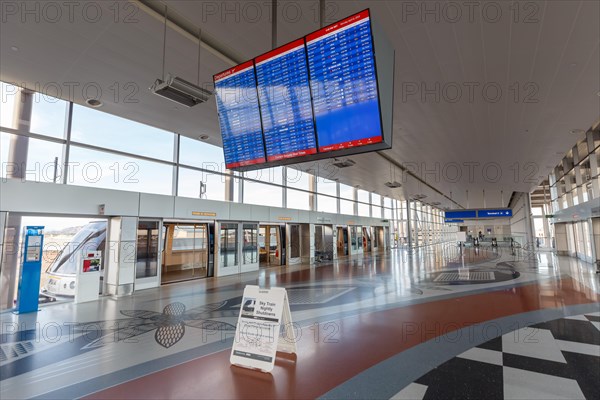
264, 316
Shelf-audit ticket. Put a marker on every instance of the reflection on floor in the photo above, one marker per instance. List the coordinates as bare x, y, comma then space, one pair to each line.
436, 323
179, 275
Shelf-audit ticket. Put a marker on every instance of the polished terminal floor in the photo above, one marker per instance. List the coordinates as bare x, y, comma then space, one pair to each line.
433, 324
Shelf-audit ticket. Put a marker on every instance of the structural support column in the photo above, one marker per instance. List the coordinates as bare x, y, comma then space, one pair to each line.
408, 225
17, 166
312, 196
229, 182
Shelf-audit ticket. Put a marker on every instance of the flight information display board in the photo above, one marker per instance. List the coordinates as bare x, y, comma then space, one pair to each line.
343, 80
239, 116
284, 96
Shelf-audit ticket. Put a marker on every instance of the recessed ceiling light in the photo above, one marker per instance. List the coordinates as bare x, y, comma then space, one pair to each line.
14, 48
94, 103
203, 137
598, 93
577, 131
573, 64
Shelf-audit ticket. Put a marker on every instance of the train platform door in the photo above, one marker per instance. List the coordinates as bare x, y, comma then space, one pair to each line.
148, 251
236, 247
324, 243
186, 251
377, 238
298, 243
342, 241
271, 245
356, 240
366, 237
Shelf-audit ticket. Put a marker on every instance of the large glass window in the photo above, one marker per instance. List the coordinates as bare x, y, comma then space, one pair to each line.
189, 184
375, 199
42, 158
262, 194
267, 175
48, 116
200, 154
298, 200
363, 209
298, 179
346, 192
376, 211
325, 186
111, 171
346, 207
326, 204
100, 129
363, 196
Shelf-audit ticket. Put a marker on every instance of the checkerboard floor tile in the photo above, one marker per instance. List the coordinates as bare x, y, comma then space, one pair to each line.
558, 359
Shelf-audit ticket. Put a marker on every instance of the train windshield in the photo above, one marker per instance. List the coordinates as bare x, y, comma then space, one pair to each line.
90, 238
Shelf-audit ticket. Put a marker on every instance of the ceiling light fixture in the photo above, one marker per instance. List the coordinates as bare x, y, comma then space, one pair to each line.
577, 131
94, 103
14, 48
203, 137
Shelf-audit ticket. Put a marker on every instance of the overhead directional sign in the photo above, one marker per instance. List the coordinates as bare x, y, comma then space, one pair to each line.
458, 216
500, 213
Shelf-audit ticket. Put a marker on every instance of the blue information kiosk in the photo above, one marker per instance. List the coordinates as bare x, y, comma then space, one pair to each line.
31, 271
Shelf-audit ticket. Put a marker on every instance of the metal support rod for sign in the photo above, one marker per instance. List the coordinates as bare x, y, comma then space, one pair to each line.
274, 24
164, 44
199, 47
322, 13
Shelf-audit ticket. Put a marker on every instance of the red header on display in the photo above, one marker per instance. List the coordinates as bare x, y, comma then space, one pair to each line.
232, 71
338, 26
245, 163
352, 143
280, 50
292, 154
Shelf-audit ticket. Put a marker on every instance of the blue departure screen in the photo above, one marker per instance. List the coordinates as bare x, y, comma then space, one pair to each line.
284, 94
344, 84
239, 116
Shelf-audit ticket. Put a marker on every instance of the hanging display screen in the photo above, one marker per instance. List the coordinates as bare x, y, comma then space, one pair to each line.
239, 116
314, 98
344, 84
284, 95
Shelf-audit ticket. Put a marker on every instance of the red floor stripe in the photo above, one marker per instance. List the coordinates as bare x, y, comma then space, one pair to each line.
363, 341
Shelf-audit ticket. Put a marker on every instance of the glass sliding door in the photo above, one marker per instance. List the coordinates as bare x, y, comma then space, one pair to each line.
185, 253
228, 254
147, 254
250, 247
